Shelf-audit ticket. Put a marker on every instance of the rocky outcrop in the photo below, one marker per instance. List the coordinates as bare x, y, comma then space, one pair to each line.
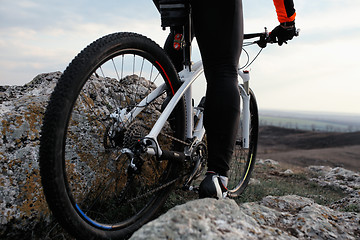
23, 207
21, 113
22, 204
287, 217
346, 180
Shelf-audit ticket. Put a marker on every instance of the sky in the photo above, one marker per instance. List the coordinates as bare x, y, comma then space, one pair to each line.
317, 71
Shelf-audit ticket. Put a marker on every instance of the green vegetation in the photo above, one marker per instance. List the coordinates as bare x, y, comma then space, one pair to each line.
273, 182
352, 208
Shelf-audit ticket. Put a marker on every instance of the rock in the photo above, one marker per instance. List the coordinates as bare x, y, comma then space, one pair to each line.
268, 162
23, 207
21, 112
350, 203
338, 177
319, 169
22, 204
254, 181
343, 179
286, 173
287, 217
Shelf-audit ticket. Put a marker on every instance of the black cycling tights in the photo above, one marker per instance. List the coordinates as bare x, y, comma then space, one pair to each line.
218, 29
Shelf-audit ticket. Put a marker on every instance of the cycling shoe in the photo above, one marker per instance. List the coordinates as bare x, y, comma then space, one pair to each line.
213, 186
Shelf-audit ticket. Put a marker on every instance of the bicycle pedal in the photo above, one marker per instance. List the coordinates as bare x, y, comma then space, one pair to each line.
225, 195
190, 188
194, 189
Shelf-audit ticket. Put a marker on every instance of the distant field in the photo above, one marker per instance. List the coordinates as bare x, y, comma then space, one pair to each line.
305, 148
305, 124
311, 121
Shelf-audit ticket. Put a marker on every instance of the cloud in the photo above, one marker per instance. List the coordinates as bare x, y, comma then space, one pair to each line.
44, 35
316, 71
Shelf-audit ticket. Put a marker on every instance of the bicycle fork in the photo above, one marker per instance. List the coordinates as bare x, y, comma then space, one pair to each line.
244, 125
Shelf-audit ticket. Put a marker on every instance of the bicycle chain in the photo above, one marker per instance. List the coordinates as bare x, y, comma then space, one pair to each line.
154, 190
166, 184
176, 139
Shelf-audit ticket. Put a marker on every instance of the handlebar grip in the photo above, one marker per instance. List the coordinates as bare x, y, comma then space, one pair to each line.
264, 37
252, 35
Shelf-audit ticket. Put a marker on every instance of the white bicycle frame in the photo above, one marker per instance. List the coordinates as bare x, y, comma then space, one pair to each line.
196, 134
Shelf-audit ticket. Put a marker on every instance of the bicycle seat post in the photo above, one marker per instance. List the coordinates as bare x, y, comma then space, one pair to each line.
187, 48
187, 68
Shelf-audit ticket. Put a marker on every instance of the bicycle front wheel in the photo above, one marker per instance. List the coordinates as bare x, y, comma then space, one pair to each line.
243, 160
100, 108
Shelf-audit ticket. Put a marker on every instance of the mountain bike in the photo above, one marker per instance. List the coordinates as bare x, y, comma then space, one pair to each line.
121, 132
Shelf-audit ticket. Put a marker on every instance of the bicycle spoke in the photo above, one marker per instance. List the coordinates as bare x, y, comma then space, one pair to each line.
117, 74
134, 65
151, 72
141, 69
102, 72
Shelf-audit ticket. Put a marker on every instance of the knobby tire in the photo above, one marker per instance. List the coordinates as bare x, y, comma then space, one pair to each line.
88, 183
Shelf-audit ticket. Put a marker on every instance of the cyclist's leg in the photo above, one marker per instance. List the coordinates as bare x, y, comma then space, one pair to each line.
219, 32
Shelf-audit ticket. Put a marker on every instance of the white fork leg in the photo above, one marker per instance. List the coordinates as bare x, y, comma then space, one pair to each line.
244, 125
245, 120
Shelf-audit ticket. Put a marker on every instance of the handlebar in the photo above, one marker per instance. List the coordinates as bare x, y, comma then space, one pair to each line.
264, 37
254, 35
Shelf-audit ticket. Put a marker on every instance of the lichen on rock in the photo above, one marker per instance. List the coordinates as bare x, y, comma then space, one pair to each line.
287, 217
22, 203
21, 111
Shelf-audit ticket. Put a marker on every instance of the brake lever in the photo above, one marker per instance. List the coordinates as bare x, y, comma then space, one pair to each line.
263, 39
297, 33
